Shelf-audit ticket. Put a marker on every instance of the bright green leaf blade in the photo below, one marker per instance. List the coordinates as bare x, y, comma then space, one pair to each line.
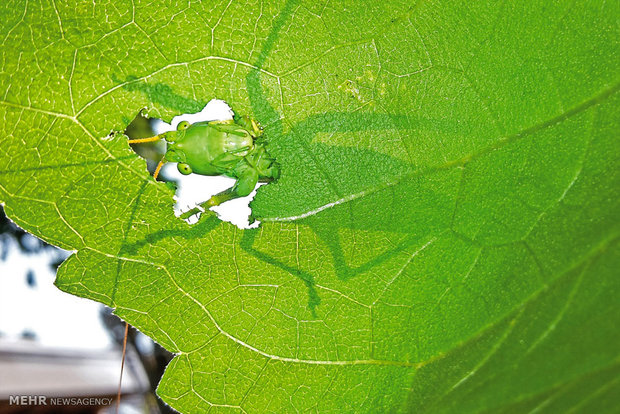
444, 236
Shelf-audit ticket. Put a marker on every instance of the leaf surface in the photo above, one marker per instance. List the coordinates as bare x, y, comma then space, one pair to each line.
444, 236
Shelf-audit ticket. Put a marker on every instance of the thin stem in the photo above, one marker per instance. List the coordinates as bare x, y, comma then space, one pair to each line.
120, 380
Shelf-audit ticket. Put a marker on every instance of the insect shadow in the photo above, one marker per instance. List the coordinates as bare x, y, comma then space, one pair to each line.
333, 160
162, 94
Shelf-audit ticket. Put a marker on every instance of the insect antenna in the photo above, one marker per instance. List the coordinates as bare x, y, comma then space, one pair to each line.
150, 139
161, 164
142, 140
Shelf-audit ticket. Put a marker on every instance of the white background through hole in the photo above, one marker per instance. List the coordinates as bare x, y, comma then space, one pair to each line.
194, 188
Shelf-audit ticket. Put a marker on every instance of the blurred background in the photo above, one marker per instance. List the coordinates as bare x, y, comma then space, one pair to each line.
53, 344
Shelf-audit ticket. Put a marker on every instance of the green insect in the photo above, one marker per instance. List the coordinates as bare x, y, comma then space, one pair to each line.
233, 148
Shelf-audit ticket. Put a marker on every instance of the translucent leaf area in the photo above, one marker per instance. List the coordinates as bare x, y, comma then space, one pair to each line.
444, 235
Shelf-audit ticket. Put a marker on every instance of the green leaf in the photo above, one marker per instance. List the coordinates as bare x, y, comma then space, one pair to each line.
444, 236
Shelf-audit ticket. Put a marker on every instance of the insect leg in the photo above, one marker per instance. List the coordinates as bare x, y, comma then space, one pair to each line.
246, 182
272, 172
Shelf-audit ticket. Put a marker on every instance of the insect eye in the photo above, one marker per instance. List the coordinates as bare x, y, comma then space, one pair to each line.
183, 125
184, 169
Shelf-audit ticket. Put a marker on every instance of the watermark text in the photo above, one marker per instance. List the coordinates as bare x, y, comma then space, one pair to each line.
44, 400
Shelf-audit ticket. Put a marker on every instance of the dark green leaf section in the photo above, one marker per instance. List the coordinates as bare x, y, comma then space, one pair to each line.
444, 236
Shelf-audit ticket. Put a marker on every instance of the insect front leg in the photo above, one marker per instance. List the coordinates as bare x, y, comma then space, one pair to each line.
271, 173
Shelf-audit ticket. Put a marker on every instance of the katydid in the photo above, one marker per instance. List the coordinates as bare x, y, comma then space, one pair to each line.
234, 148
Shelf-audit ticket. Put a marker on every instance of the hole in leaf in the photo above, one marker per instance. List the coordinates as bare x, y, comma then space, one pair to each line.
192, 189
